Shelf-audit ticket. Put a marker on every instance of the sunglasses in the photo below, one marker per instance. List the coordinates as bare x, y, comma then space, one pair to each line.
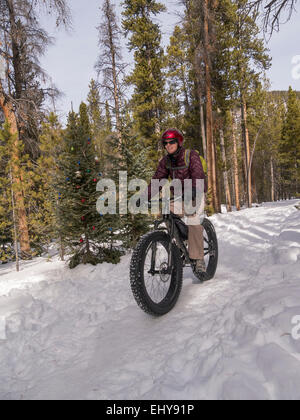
165, 143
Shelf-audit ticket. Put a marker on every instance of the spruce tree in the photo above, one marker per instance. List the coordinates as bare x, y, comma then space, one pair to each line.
132, 158
83, 231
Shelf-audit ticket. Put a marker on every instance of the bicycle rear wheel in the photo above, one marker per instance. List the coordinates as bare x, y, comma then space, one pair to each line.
211, 251
155, 287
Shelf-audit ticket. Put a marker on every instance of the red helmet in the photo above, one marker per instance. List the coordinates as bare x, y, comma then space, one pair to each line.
173, 133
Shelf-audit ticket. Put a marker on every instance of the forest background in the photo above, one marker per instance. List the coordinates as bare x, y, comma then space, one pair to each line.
210, 81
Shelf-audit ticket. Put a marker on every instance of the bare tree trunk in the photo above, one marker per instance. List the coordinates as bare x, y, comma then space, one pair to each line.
185, 90
254, 189
14, 223
216, 189
16, 175
247, 151
201, 110
15, 49
272, 181
156, 124
211, 155
114, 70
203, 134
61, 250
236, 168
154, 107
225, 172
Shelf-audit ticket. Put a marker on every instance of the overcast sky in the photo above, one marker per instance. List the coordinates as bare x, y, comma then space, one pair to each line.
70, 61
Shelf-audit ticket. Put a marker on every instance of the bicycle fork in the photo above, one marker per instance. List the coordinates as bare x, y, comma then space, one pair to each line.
152, 270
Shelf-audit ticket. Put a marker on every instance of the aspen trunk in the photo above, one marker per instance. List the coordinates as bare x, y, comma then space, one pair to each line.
225, 173
16, 176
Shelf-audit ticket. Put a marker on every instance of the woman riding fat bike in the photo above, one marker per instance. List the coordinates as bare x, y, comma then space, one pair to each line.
167, 250
157, 263
175, 165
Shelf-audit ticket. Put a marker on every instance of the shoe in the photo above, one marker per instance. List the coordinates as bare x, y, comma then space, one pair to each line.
200, 266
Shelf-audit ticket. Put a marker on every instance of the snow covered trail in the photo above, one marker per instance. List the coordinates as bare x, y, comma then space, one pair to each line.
78, 334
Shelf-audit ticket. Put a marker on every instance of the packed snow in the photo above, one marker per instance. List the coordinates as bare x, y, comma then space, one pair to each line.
78, 334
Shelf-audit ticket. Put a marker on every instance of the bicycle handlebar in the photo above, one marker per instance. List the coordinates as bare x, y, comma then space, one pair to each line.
163, 200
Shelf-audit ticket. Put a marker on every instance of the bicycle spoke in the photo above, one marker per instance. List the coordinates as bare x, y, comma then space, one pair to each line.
156, 287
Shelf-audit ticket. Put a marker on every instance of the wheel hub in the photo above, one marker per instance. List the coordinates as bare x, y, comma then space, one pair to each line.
164, 272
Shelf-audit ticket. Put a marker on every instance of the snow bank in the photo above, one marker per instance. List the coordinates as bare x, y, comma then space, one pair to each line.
78, 334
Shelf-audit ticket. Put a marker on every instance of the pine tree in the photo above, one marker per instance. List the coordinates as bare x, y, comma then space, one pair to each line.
200, 28
96, 119
109, 64
23, 41
267, 134
43, 218
240, 60
179, 68
250, 50
289, 151
182, 104
108, 123
147, 76
6, 219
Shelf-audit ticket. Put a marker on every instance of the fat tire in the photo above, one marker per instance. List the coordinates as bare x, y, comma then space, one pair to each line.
213, 259
137, 275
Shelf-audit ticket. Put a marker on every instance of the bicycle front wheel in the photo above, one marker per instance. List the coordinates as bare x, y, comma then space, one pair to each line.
155, 285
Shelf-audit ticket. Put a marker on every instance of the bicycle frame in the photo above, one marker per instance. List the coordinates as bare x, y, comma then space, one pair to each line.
171, 228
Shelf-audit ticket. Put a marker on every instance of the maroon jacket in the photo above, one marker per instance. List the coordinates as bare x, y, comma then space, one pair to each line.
194, 172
